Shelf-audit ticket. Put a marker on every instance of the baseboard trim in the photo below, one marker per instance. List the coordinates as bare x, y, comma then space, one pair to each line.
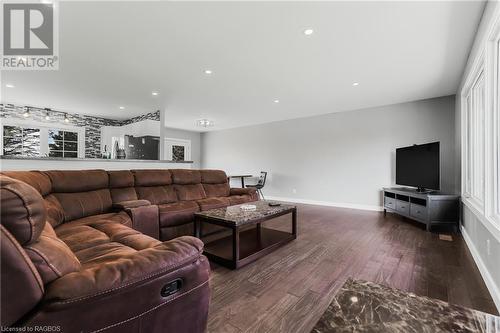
328, 203
488, 279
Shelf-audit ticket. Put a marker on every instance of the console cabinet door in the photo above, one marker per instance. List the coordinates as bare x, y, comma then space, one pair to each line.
419, 212
403, 207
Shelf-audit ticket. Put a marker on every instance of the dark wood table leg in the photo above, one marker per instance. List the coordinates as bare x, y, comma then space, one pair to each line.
259, 232
294, 223
236, 246
242, 182
197, 225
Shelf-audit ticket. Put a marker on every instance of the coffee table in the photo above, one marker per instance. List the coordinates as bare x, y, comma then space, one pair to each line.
245, 246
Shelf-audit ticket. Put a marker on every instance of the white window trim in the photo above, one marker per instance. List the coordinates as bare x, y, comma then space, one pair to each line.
44, 133
493, 132
169, 142
488, 58
467, 192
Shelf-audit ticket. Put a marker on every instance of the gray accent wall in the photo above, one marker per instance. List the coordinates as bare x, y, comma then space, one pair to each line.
340, 158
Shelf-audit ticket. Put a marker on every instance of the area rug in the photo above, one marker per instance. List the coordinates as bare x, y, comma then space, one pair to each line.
362, 306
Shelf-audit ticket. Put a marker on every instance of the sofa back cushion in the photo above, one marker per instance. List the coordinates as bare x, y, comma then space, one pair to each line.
185, 176
81, 193
22, 210
187, 184
36, 179
215, 183
190, 192
154, 186
41, 182
121, 184
55, 212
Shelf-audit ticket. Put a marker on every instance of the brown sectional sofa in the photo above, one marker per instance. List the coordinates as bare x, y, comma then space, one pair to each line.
80, 249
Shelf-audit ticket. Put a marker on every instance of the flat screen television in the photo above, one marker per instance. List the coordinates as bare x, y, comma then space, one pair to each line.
418, 166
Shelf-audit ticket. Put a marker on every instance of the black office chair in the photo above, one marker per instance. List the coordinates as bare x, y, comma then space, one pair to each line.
260, 184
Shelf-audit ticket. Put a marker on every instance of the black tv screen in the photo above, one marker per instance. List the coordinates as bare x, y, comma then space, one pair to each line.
418, 166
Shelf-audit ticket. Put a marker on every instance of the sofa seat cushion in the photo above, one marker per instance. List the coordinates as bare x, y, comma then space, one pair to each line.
51, 256
211, 203
96, 241
177, 213
240, 199
135, 267
84, 232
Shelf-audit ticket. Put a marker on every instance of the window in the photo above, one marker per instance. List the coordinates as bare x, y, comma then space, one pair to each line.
475, 141
21, 141
480, 105
178, 153
63, 143
495, 206
178, 149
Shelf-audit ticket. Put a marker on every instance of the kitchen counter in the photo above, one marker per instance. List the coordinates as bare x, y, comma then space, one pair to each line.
59, 163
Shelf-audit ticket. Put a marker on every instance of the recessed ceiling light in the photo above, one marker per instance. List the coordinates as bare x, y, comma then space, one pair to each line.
355, 84
276, 101
8, 85
154, 93
121, 108
208, 71
308, 32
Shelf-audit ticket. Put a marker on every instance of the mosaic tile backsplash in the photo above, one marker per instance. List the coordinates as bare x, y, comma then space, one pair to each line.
29, 145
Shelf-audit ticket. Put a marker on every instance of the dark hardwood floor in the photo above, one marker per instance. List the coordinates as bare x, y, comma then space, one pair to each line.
288, 290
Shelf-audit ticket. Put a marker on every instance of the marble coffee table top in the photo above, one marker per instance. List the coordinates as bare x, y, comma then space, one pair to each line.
236, 216
362, 306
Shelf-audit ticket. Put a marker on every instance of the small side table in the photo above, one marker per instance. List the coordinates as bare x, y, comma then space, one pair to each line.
242, 178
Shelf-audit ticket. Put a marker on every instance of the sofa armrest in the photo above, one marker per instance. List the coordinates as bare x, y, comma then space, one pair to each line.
146, 219
242, 191
132, 291
131, 204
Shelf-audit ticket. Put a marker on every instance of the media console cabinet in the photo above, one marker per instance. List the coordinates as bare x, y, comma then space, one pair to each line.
432, 208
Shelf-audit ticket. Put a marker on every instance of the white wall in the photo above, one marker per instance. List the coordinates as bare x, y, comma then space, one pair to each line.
339, 158
476, 230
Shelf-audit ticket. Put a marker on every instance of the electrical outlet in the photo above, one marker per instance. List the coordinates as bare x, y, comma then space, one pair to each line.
488, 247
294, 190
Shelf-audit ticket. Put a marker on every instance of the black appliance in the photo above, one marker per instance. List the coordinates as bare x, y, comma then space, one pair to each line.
142, 147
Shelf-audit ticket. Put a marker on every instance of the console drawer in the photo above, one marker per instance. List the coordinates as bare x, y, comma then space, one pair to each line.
418, 212
403, 207
390, 203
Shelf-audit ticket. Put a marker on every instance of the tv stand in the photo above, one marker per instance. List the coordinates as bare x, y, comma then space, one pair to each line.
431, 208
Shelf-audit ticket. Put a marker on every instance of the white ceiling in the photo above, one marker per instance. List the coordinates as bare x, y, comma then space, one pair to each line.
116, 53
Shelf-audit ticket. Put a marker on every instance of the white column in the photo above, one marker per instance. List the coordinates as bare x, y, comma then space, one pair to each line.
162, 133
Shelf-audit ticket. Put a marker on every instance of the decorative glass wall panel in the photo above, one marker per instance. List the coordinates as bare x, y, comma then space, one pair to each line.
21, 141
